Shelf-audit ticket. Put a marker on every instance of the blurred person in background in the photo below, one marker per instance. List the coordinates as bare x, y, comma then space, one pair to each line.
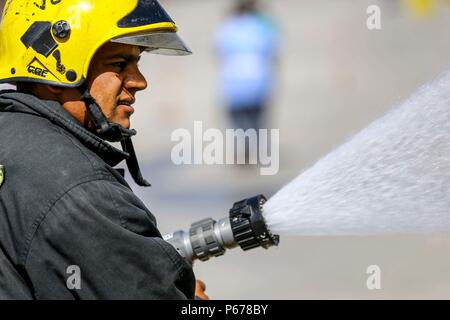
247, 43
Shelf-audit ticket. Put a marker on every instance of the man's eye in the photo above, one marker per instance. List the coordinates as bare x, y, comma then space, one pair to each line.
119, 65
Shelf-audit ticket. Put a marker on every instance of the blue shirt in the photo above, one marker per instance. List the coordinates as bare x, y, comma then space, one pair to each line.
247, 46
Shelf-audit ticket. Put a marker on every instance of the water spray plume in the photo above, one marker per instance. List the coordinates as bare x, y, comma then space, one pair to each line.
391, 178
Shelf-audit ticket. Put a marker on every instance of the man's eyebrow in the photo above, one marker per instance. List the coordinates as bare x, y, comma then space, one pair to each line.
126, 57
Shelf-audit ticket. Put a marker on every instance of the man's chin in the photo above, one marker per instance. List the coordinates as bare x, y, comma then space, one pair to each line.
124, 122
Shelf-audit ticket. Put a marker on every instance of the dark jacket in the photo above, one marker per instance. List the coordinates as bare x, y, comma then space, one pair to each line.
63, 207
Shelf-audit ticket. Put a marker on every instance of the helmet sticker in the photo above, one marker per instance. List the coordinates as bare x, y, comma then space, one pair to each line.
43, 4
59, 66
39, 37
38, 69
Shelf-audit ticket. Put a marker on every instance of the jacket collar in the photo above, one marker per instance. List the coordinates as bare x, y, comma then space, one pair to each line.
14, 101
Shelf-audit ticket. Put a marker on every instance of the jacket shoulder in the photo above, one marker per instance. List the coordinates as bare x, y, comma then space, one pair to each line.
41, 161
40, 147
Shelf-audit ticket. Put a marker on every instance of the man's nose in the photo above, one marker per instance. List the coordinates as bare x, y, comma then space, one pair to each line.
134, 80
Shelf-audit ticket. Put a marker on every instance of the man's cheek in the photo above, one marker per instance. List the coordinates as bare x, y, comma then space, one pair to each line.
109, 108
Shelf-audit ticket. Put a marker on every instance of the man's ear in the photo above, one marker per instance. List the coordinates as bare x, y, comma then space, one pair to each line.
44, 91
54, 90
61, 94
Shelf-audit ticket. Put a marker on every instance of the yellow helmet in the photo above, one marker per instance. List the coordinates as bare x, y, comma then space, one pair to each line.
53, 41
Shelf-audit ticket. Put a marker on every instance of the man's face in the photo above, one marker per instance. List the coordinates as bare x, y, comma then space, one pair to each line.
113, 80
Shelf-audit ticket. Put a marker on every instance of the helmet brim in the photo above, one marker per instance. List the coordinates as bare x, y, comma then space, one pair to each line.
165, 43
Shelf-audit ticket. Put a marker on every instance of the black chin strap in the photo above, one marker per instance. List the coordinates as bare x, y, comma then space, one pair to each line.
113, 132
132, 163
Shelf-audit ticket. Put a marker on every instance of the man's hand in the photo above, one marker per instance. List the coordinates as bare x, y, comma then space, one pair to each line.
200, 288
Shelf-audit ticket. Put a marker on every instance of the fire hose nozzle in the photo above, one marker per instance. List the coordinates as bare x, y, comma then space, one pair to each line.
244, 227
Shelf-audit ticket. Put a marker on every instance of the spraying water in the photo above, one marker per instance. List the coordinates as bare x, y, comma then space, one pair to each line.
392, 177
